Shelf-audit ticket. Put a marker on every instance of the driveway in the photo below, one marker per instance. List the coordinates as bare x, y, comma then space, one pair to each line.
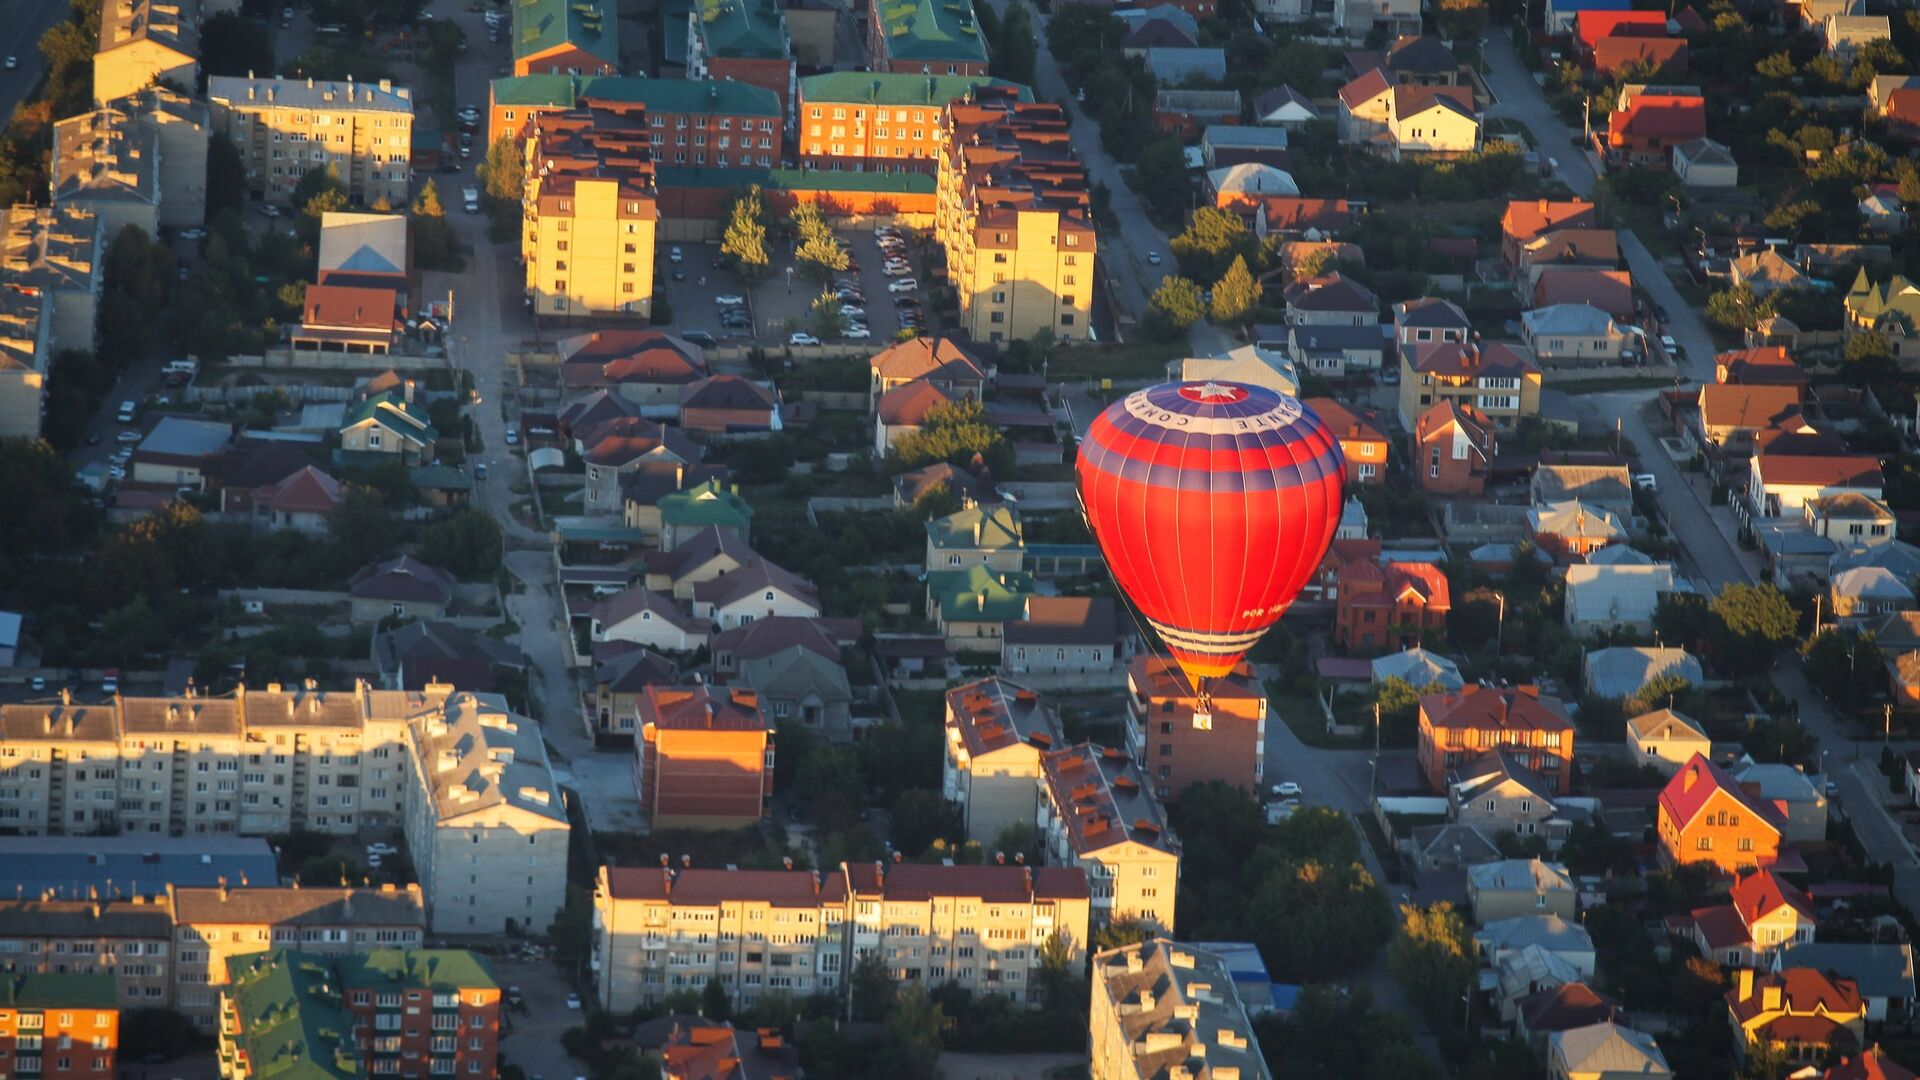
534, 1043
20, 39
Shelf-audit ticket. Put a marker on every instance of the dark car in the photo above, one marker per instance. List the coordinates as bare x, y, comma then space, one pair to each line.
700, 337
93, 438
906, 301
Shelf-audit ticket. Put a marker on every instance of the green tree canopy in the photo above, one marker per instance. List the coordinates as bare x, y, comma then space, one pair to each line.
744, 243
1759, 614
953, 432
1432, 956
1210, 243
467, 543
1236, 294
822, 256
1178, 302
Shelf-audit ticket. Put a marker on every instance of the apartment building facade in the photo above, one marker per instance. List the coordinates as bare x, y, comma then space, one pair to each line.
58, 1027
590, 212
108, 163
996, 732
1097, 813
704, 758
283, 127
910, 37
1178, 740
878, 122
126, 939
143, 42
714, 124
1166, 1009
658, 930
214, 925
57, 253
1013, 213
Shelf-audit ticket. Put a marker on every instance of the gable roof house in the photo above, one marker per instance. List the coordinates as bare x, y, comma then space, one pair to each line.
1609, 290
1845, 35
1362, 444
1779, 484
1574, 335
989, 536
1502, 383
729, 405
1704, 816
903, 410
1285, 107
1431, 122
1453, 446
644, 617
1766, 271
1563, 938
1527, 219
1881, 971
1666, 740
1624, 670
940, 361
799, 685
389, 422
1867, 594
1606, 487
1647, 126
1704, 163
1562, 1008
647, 367
1498, 794
1331, 300
1571, 530
1605, 1051
1731, 415
754, 590
1510, 888
428, 651
404, 586
1800, 1013
1064, 635
974, 605
1764, 914
1604, 600
303, 501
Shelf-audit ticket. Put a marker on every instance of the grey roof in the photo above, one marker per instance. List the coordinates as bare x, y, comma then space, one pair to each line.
72, 866
1663, 724
478, 754
1705, 152
1896, 555
1881, 970
1520, 875
363, 243
1871, 582
33, 917
1175, 65
1781, 782
275, 905
176, 436
1149, 983
1269, 101
1550, 932
1609, 1050
1489, 770
1371, 336
794, 672
1619, 555
1619, 593
404, 579
1570, 319
1418, 668
1605, 485
1463, 842
240, 92
428, 640
1169, 12
1621, 671
1241, 136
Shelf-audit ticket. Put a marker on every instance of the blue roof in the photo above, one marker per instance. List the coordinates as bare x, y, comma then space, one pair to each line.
131, 865
177, 436
9, 629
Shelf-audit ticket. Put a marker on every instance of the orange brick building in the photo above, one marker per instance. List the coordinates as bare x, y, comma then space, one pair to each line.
1178, 743
1706, 817
1382, 608
704, 758
1453, 444
1456, 727
58, 1027
1361, 441
1526, 219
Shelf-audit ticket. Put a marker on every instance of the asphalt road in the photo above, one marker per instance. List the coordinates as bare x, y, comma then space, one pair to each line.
26, 21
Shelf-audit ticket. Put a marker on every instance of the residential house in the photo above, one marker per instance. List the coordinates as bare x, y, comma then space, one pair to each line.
903, 411
1772, 365
1246, 185
1181, 738
1574, 335
1779, 484
1604, 487
1332, 300
1882, 971
647, 367
1801, 1014
1166, 1009
1602, 600
1565, 939
1843, 36
1502, 384
1609, 290
1222, 145
723, 1052
1188, 112
708, 504
1604, 1051
703, 757
404, 586
1456, 726
1870, 1064
427, 651
1633, 50
1764, 915
652, 484
756, 589
621, 676
1883, 214
344, 319
728, 405
1572, 531
1624, 671
1704, 816
303, 501
1732, 414
1765, 272
973, 606
176, 451
1389, 606
1309, 219
1511, 888
1096, 813
1704, 163
915, 484
1591, 26
1566, 1007
1495, 793
1361, 442
1526, 973
940, 361
1850, 519
1064, 635
988, 536
1527, 219
700, 558
1647, 125
616, 449
1562, 15
1335, 352
1867, 594
1450, 847
1417, 668
1453, 445
1366, 107
1284, 107
389, 422
643, 617
996, 734
799, 684
1248, 364
1432, 122
1666, 740
1792, 792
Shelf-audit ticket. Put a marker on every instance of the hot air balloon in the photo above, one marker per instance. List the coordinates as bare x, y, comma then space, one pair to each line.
1212, 502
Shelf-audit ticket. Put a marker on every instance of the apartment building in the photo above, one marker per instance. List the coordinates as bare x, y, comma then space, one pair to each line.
1178, 740
719, 124
184, 128
1096, 813
878, 122
1013, 214
284, 127
742, 40
657, 930
917, 37
57, 253
108, 163
996, 733
428, 1012
127, 940
485, 821
211, 926
704, 758
1162, 1009
590, 212
143, 42
58, 1027
564, 37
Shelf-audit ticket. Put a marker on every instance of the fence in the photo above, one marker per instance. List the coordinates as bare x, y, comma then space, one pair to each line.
298, 393
1562, 377
330, 361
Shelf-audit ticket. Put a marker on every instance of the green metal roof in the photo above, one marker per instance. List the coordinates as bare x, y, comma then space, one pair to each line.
294, 1025
745, 29
440, 478
658, 95
371, 409
57, 992
932, 30
977, 528
863, 88
672, 27
959, 593
439, 969
709, 503
541, 25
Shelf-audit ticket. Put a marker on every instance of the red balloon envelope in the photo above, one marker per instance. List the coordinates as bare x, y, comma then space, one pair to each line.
1213, 503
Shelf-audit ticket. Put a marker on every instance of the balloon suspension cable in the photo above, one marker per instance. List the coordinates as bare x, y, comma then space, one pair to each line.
1194, 688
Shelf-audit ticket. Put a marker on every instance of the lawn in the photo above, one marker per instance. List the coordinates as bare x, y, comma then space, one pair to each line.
1301, 712
1140, 360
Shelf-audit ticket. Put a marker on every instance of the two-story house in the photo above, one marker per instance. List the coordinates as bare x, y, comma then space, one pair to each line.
1704, 816
1501, 383
1454, 727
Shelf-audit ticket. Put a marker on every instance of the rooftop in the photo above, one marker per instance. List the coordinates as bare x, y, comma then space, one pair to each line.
1102, 798
238, 92
542, 26
1178, 1009
993, 714
478, 755
929, 30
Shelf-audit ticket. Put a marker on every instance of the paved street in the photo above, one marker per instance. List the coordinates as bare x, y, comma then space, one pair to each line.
26, 21
534, 1043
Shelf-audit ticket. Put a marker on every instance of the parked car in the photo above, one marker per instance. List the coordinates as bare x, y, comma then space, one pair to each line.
700, 337
129, 437
726, 299
904, 302
674, 254
1153, 257
269, 210
802, 338
857, 333
382, 848
513, 437
896, 270
904, 285
573, 1002
1647, 482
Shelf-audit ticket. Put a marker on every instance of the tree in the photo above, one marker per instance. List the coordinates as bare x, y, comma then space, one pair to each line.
744, 244
1160, 178
808, 223
503, 172
319, 183
468, 544
715, 1003
1018, 838
1121, 931
828, 782
920, 817
226, 176
1757, 614
1665, 690
363, 526
872, 987
233, 45
824, 317
914, 1023
822, 256
953, 432
1236, 294
427, 203
1683, 620
1178, 302
1432, 956
1840, 664
1014, 53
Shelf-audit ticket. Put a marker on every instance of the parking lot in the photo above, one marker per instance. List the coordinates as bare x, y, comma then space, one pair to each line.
534, 1042
784, 299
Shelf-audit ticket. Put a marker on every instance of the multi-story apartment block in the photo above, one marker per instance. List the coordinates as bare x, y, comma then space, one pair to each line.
915, 37
704, 758
184, 126
996, 733
1097, 813
143, 42
391, 1012
58, 1027
57, 253
108, 163
284, 127
214, 925
485, 822
1179, 740
659, 930
880, 123
26, 337
742, 40
1013, 213
590, 213
1166, 1009
127, 940
719, 124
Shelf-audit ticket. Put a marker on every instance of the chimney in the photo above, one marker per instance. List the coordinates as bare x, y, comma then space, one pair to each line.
1543, 206
224, 891
1744, 983
1000, 858
686, 862
787, 861
1691, 778
1770, 997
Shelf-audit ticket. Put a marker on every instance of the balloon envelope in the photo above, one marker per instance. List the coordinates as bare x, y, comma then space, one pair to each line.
1213, 503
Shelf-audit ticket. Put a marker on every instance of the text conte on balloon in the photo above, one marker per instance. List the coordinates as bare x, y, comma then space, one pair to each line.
1213, 502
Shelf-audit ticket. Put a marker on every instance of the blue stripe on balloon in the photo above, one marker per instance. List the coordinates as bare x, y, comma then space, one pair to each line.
1127, 423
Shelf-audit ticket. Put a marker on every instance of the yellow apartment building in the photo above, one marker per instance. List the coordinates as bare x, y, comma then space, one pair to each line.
1494, 378
1097, 813
284, 127
996, 733
1166, 1009
108, 163
590, 213
143, 42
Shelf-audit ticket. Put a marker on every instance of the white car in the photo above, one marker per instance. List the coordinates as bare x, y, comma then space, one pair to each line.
130, 436
469, 114
853, 311
1288, 790
513, 437
802, 338
725, 299
12, 62
269, 210
1153, 257
857, 333
1646, 481
117, 472
904, 285
897, 270
382, 849
192, 234
674, 254
573, 1002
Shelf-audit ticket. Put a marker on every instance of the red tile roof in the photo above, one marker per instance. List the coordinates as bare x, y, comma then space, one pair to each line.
1746, 406
908, 404
1719, 926
1591, 26
1870, 1065
1528, 218
1661, 53
701, 885
1763, 892
1609, 290
701, 708
1803, 991
308, 491
347, 306
1344, 422
1768, 365
1844, 471
1290, 213
1690, 789
1492, 708
1468, 358
1667, 117
922, 357
1369, 85
1565, 1007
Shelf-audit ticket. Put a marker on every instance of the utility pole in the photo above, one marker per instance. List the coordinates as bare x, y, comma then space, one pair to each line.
1373, 763
1886, 725
1500, 625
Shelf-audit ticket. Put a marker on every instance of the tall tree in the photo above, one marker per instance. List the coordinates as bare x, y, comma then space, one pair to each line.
504, 172
822, 256
1236, 294
1432, 956
427, 203
1178, 301
1015, 49
744, 244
